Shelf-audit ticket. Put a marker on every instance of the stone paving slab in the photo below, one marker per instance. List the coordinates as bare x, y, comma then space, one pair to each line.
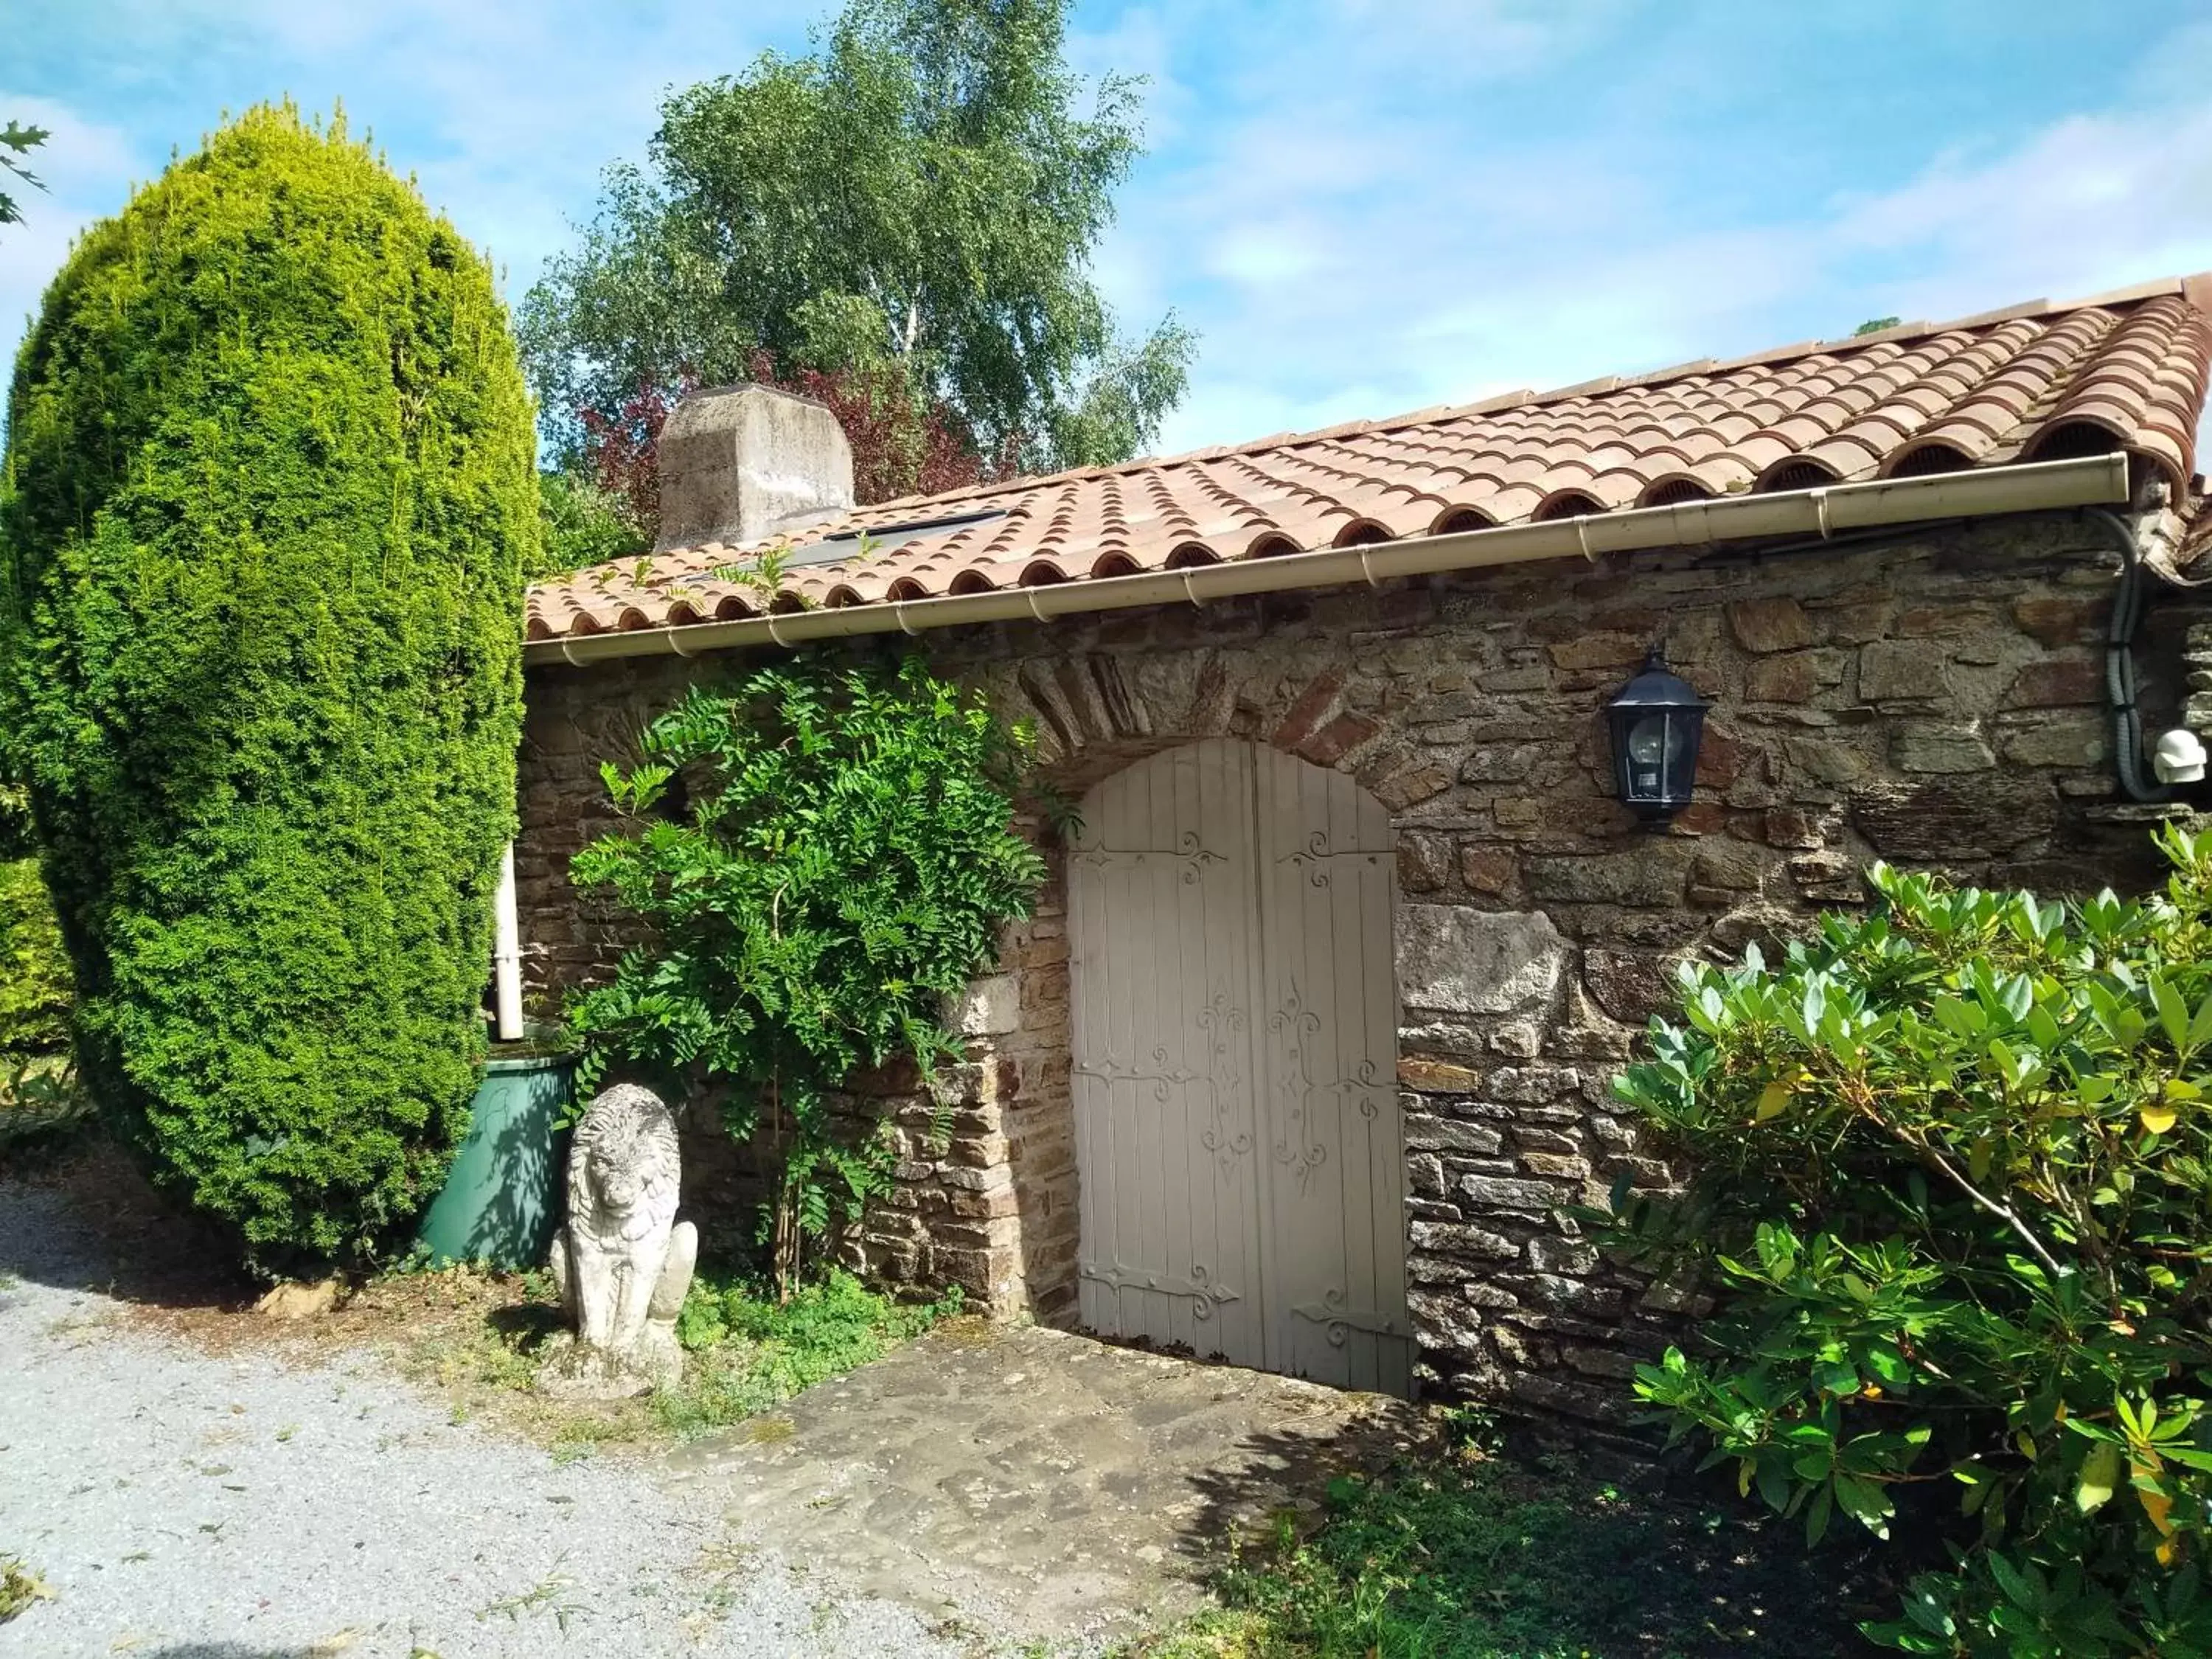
1037, 1484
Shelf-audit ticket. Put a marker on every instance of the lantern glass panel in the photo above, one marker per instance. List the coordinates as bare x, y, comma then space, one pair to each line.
1655, 749
1653, 738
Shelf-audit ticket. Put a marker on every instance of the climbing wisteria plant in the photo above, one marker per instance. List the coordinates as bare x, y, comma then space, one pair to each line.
1953, 1176
822, 855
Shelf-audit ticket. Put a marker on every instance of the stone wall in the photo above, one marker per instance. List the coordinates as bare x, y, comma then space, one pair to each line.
1933, 699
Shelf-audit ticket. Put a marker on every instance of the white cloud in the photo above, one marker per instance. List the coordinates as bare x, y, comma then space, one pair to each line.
2091, 202
88, 168
1267, 255
1358, 255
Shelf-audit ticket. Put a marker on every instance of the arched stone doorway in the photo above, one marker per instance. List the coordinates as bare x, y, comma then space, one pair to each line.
1235, 1040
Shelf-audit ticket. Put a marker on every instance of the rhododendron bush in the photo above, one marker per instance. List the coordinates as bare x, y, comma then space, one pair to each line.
1951, 1191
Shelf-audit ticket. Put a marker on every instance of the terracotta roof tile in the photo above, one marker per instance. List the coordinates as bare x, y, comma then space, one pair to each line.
2126, 370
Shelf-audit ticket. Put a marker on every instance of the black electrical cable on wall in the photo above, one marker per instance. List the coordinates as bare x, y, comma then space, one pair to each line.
2120, 661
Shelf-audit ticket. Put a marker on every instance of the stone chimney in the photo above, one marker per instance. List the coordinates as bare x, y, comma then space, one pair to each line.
738, 462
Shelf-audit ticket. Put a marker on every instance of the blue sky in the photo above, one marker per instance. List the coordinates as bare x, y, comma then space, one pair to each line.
1362, 206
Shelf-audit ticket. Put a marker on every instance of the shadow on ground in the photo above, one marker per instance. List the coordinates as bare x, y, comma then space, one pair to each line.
1524, 1547
1047, 1484
89, 1220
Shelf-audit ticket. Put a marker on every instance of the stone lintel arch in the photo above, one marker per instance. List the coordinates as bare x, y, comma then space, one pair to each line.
1095, 712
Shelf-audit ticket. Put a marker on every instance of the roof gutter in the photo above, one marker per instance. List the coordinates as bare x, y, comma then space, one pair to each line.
2034, 487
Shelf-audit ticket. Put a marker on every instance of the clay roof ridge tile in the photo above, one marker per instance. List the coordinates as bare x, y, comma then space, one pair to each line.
1702, 367
1882, 336
2158, 287
1497, 403
1696, 366
1593, 388
2004, 314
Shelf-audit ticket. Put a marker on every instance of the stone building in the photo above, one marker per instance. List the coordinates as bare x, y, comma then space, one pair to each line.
1312, 1034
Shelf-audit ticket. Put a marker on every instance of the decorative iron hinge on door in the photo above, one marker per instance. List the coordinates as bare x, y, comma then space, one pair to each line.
1298, 1146
1318, 852
1339, 1321
1199, 1287
1188, 851
1220, 1022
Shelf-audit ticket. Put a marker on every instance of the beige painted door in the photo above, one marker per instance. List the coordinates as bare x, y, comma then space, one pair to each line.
1235, 1045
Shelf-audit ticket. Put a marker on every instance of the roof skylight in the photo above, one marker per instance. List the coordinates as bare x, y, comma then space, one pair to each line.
882, 538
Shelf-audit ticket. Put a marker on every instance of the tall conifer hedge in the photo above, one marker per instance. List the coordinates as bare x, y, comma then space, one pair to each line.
268, 498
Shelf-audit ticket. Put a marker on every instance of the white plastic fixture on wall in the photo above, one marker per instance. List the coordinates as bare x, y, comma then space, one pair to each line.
506, 953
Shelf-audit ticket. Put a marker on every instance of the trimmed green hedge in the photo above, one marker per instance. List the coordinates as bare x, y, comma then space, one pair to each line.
15, 838
34, 974
270, 494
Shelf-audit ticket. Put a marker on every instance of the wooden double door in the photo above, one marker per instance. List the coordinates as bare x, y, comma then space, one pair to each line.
1239, 1140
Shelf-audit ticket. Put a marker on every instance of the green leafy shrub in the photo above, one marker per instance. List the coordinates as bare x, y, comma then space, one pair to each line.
16, 839
269, 497
44, 1113
34, 971
843, 864
1952, 1188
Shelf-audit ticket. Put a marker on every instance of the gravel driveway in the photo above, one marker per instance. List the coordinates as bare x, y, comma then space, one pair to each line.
184, 1505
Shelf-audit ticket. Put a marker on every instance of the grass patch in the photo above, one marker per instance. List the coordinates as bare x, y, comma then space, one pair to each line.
478, 1336
19, 1588
1480, 1556
549, 1596
747, 1353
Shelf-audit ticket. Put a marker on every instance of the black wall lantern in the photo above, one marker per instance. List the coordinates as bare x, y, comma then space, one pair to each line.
1656, 720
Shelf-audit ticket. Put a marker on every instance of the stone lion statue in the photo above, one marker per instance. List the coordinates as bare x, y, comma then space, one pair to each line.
622, 1261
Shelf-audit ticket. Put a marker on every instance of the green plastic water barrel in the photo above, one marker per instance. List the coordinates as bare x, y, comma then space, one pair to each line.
501, 1200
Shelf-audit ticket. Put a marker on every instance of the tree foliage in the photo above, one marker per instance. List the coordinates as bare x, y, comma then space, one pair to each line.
1954, 1167
840, 864
584, 524
17, 838
16, 142
269, 497
910, 209
34, 973
901, 444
